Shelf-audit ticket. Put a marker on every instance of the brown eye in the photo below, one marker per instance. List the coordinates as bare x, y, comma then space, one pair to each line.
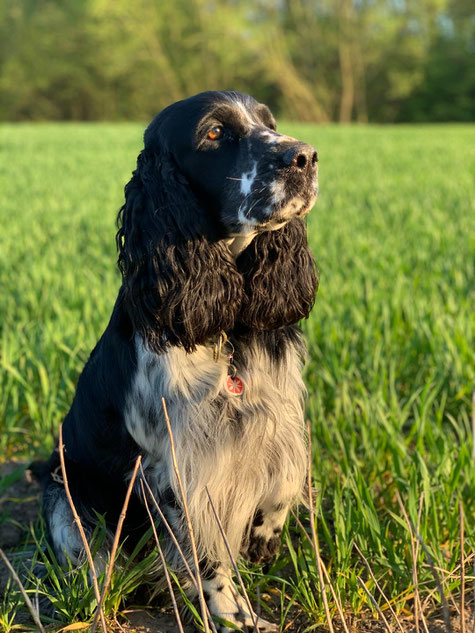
215, 132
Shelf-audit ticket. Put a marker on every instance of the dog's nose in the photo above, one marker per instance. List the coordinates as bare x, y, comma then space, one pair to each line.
301, 156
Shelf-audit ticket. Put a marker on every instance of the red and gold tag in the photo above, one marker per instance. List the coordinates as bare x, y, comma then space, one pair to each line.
234, 385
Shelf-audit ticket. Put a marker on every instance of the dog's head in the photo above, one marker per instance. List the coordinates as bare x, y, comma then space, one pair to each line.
246, 175
211, 233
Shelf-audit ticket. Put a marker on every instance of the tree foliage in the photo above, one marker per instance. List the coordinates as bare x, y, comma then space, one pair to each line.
317, 60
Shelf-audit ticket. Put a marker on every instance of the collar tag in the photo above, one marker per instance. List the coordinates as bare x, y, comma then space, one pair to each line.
234, 385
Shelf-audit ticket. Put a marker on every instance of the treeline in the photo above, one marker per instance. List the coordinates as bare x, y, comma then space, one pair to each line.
313, 60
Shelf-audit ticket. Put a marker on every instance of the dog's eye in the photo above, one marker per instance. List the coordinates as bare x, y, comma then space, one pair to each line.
215, 132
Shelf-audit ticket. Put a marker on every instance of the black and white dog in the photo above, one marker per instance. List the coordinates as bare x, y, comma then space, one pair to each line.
216, 274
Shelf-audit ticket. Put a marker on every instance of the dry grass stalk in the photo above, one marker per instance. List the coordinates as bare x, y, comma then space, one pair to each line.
327, 576
26, 598
188, 520
456, 570
365, 560
174, 539
335, 598
443, 599
115, 543
314, 531
162, 558
82, 534
449, 576
170, 531
233, 561
430, 560
462, 569
473, 611
418, 595
376, 605
473, 457
418, 611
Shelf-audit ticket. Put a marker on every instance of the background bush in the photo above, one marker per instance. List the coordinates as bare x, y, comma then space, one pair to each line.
325, 60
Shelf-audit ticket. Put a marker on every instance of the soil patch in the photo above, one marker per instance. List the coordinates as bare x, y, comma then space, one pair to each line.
19, 503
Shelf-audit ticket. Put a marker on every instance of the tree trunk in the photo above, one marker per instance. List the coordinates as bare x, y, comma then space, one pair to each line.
347, 98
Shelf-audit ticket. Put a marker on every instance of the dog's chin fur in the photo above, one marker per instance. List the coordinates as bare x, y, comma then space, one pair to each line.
184, 283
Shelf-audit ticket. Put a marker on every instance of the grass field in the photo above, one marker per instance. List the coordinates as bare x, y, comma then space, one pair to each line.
391, 368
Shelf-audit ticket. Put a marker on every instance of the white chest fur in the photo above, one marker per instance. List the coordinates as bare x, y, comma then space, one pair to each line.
242, 448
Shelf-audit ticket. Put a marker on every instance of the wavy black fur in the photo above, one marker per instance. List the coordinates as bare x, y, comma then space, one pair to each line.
280, 278
180, 286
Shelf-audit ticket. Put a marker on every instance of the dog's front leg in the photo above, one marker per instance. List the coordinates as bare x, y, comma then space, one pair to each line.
226, 603
222, 597
265, 534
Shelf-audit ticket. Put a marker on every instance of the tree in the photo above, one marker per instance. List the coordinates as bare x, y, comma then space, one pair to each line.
344, 60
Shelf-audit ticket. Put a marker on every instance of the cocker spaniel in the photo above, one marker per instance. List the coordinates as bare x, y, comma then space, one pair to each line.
216, 272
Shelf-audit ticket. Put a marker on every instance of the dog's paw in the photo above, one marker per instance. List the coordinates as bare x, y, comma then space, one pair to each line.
244, 622
261, 549
263, 539
231, 611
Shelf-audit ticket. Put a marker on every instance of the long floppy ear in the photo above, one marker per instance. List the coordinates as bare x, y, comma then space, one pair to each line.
179, 288
280, 278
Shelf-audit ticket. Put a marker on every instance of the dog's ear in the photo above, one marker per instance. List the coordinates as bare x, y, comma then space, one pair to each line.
178, 287
280, 278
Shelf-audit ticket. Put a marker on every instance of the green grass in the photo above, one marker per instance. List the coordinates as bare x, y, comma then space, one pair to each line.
391, 368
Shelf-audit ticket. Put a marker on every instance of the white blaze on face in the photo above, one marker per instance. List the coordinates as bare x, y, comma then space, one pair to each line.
270, 137
247, 180
277, 189
273, 138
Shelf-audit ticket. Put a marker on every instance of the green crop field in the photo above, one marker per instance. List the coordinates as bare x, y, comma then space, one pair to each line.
391, 356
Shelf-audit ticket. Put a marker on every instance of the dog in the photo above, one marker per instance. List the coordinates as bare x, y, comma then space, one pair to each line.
216, 273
